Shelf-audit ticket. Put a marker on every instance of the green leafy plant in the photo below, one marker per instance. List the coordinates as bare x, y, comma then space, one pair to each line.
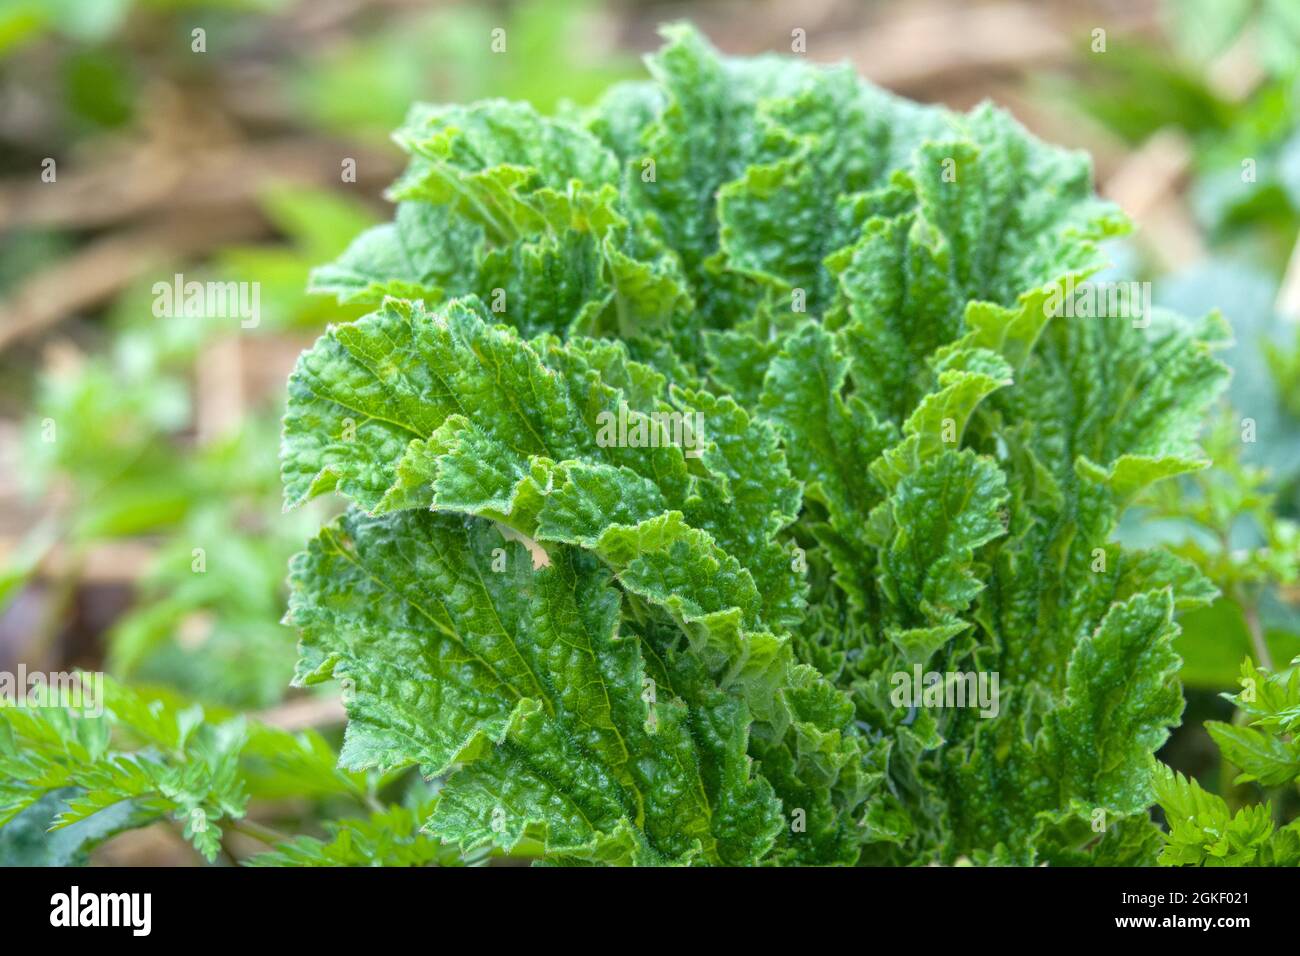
1203, 829
116, 759
78, 769
1225, 521
683, 427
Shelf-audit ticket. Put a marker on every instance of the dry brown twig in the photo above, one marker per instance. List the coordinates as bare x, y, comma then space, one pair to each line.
303, 713
1148, 187
103, 267
147, 183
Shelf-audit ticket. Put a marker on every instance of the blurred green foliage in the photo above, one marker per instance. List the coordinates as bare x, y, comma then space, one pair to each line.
364, 86
1228, 79
116, 430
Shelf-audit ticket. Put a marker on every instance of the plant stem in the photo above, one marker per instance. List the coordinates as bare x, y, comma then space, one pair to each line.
1257, 641
258, 831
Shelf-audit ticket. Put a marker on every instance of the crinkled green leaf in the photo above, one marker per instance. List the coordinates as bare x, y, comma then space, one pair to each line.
425, 253
455, 651
775, 363
1121, 699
